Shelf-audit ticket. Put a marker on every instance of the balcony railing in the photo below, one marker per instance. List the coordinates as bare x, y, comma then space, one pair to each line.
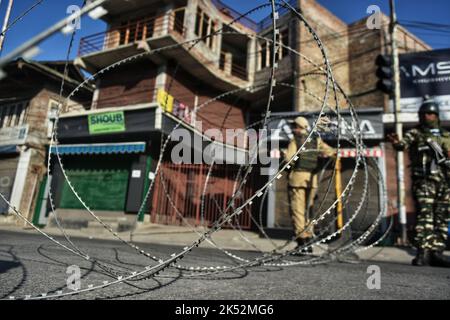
249, 23
148, 28
133, 32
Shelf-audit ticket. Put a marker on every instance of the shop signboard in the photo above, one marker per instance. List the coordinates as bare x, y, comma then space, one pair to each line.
108, 122
13, 136
425, 73
370, 125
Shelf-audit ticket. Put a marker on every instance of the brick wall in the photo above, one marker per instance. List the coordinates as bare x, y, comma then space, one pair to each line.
217, 114
351, 49
332, 32
128, 84
365, 46
35, 175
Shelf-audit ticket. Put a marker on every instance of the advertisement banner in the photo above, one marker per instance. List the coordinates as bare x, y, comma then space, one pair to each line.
108, 122
165, 100
425, 73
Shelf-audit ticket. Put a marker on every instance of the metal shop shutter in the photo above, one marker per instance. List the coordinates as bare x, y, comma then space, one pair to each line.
100, 189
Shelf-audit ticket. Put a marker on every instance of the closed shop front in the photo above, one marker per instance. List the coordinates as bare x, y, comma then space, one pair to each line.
106, 160
103, 176
371, 126
101, 181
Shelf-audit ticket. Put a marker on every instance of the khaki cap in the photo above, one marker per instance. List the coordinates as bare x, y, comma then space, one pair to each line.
301, 122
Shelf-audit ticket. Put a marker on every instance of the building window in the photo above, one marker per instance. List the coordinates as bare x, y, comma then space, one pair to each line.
13, 115
136, 29
284, 39
53, 109
179, 20
212, 39
198, 22
264, 56
266, 50
222, 61
205, 26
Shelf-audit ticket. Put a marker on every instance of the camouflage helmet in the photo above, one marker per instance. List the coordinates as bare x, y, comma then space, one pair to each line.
429, 106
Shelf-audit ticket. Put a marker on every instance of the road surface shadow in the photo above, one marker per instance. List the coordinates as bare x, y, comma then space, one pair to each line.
7, 265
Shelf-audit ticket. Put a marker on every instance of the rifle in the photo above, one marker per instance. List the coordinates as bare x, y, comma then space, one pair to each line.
440, 155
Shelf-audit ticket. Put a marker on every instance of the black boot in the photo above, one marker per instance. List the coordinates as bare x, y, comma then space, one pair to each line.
301, 252
438, 259
309, 249
422, 258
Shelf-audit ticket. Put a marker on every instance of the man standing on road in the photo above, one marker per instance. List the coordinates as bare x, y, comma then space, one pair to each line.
429, 148
303, 177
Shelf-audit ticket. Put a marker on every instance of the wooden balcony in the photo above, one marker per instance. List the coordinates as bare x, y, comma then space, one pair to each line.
133, 32
101, 50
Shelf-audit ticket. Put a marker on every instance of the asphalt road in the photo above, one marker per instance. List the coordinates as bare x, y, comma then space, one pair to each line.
31, 265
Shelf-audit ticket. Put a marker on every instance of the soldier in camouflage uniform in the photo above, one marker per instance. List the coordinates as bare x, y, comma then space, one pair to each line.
429, 147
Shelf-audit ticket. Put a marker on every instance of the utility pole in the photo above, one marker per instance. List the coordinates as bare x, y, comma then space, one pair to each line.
5, 23
398, 126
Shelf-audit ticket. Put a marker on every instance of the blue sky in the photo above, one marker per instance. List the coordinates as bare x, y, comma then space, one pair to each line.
55, 48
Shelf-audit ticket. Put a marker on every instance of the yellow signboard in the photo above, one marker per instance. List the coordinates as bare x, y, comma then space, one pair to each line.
165, 100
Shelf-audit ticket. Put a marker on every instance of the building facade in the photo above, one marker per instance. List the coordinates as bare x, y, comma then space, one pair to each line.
29, 103
167, 73
148, 96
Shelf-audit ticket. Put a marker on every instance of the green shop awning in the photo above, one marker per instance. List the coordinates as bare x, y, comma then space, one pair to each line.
103, 148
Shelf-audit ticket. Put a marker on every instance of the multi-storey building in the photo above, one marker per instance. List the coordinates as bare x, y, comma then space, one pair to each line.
29, 103
136, 90
187, 53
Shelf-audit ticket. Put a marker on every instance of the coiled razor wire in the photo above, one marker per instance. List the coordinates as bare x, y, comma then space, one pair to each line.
226, 216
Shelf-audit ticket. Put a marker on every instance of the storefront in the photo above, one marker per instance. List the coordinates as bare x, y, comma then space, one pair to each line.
110, 160
107, 157
101, 179
278, 220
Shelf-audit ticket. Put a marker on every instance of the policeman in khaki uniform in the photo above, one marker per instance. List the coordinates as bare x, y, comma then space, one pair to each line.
303, 177
429, 148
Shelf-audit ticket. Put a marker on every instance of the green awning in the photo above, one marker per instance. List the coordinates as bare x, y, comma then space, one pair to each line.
104, 148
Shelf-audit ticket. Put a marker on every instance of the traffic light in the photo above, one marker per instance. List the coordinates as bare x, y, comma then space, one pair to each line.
385, 74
